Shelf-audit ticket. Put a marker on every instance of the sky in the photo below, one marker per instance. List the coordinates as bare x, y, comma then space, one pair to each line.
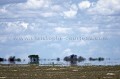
59, 28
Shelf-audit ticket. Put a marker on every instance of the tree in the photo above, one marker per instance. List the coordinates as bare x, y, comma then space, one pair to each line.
92, 59
18, 59
100, 59
58, 59
34, 59
11, 59
80, 59
2, 59
66, 58
96, 59
72, 59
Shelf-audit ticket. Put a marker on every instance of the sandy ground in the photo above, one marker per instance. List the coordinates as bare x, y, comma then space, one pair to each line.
57, 72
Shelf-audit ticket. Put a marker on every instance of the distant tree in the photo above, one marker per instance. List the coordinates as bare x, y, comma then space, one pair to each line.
2, 59
23, 59
11, 58
80, 59
96, 59
66, 58
100, 59
44, 59
58, 59
72, 59
90, 59
34, 59
18, 59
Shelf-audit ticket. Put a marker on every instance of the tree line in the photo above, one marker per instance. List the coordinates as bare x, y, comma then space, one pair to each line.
72, 59
10, 59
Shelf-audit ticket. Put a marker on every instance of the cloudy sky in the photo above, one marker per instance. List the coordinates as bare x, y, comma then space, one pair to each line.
33, 20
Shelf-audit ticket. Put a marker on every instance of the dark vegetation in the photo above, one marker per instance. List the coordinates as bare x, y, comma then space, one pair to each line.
12, 59
34, 59
98, 59
2, 59
73, 59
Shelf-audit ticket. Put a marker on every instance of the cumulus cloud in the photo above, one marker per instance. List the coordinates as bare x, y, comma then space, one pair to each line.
84, 5
106, 7
78, 43
56, 8
3, 10
24, 25
88, 29
54, 45
35, 4
31, 8
16, 26
62, 30
67, 52
48, 14
72, 12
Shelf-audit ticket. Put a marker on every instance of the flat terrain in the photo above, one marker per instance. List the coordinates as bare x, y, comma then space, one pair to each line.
50, 72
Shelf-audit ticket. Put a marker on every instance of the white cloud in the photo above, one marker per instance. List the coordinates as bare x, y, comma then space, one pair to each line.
74, 7
56, 8
72, 12
78, 43
35, 4
62, 30
84, 5
3, 10
67, 52
24, 25
106, 7
88, 29
33, 8
54, 45
16, 26
48, 14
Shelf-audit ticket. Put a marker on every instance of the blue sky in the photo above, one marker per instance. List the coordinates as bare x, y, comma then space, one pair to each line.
64, 19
